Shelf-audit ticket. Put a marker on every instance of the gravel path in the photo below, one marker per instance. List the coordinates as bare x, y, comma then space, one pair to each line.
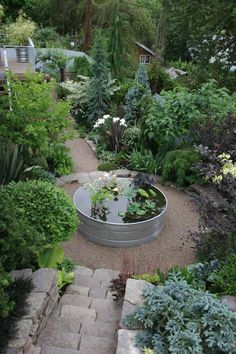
172, 247
83, 157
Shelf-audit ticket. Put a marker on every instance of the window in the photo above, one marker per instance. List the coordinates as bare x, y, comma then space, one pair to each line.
145, 59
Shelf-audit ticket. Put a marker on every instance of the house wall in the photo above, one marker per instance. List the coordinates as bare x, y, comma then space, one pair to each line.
140, 51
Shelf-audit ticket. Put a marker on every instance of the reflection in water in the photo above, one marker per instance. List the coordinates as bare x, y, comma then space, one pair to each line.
99, 212
110, 210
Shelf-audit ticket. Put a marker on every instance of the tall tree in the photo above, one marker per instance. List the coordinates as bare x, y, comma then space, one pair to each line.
99, 94
118, 40
87, 30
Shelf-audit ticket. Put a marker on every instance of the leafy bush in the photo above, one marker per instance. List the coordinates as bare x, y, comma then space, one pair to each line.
224, 278
107, 166
47, 37
159, 79
81, 66
37, 120
178, 166
18, 32
180, 319
131, 137
20, 240
36, 172
168, 124
6, 303
47, 208
143, 160
60, 160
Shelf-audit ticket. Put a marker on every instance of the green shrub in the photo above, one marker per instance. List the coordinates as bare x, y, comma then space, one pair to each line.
36, 120
159, 79
131, 137
61, 160
107, 166
20, 240
6, 303
143, 160
178, 166
36, 172
46, 207
181, 319
224, 279
81, 66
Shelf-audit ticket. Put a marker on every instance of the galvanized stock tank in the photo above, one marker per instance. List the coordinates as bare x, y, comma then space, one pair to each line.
116, 234
22, 54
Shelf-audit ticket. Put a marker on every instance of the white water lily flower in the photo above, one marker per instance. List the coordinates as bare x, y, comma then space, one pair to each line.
116, 119
106, 116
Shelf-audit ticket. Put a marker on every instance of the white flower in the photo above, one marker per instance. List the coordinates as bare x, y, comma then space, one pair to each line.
106, 175
95, 125
116, 119
122, 121
212, 60
106, 116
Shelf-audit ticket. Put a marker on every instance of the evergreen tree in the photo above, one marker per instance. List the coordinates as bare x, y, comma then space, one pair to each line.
98, 92
118, 40
140, 89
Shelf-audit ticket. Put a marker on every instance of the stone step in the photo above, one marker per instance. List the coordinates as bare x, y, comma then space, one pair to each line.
59, 339
81, 313
92, 345
61, 324
98, 329
107, 310
77, 290
57, 350
76, 300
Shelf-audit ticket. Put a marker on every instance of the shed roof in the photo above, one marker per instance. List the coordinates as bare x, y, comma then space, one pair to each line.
145, 48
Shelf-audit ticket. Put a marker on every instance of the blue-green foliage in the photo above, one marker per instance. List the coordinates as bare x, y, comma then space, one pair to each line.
139, 90
180, 319
98, 91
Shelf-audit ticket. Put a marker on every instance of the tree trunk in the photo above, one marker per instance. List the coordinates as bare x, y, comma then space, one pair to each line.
161, 34
62, 74
87, 30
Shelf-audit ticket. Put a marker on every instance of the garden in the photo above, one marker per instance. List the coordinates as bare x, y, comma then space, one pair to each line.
173, 137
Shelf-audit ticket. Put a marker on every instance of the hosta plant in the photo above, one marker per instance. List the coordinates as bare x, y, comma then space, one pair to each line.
180, 319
